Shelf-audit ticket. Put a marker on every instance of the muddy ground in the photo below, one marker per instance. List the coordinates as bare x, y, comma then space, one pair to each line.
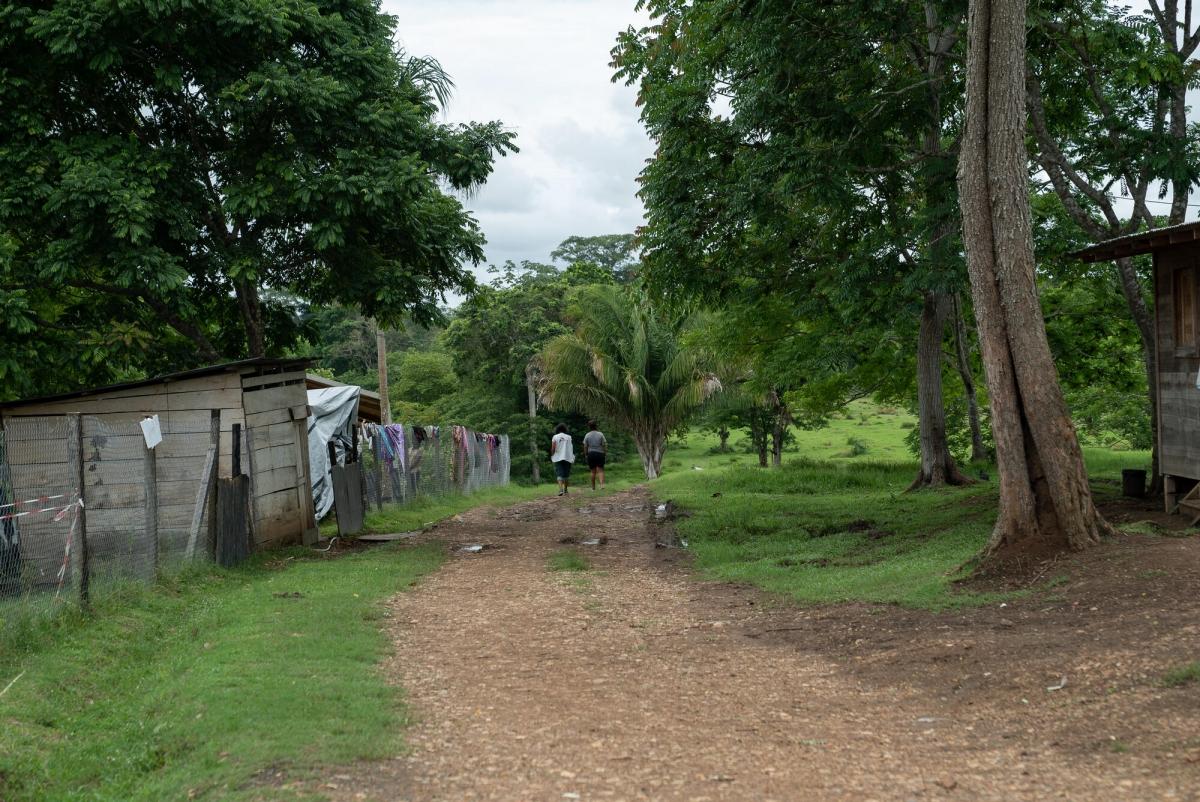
636, 681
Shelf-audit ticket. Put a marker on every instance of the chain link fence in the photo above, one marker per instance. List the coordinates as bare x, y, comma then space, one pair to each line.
401, 463
86, 507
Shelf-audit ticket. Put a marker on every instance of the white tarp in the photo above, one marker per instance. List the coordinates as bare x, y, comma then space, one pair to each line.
334, 410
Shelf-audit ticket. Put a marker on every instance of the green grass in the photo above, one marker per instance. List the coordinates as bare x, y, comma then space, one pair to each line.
427, 510
834, 524
568, 560
1184, 675
830, 532
192, 688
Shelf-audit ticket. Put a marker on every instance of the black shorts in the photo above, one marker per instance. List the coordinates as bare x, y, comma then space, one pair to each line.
562, 469
596, 459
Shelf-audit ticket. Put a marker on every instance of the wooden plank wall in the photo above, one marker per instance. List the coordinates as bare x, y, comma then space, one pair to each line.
1179, 400
274, 413
41, 462
276, 408
114, 456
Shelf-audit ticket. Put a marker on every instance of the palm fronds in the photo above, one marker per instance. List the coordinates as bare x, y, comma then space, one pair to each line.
627, 364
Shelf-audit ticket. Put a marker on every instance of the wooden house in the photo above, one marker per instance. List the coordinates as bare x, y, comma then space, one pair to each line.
1176, 252
199, 411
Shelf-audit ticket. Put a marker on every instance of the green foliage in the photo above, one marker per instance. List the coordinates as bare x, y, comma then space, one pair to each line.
185, 173
857, 446
495, 336
615, 255
803, 181
423, 377
1095, 342
194, 688
343, 341
625, 363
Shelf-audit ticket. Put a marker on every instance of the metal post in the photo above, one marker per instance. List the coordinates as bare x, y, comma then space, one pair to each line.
84, 558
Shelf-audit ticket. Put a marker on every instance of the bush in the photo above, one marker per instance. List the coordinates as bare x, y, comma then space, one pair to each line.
857, 447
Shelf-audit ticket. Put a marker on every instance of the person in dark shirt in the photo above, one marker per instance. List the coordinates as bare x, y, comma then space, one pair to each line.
597, 450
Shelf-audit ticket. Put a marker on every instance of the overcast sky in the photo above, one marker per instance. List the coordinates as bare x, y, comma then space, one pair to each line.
541, 67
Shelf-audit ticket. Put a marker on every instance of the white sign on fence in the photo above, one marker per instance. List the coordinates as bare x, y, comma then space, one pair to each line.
151, 431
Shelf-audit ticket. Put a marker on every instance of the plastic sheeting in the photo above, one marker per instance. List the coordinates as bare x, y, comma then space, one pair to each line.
334, 410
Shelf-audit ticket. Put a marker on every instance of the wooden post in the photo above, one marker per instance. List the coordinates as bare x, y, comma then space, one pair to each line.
253, 515
215, 435
84, 558
150, 486
385, 409
308, 513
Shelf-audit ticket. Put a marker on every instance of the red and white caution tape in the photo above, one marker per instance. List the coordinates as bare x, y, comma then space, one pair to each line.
76, 505
39, 500
61, 512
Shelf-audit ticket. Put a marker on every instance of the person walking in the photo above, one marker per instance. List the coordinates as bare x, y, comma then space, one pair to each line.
597, 450
562, 454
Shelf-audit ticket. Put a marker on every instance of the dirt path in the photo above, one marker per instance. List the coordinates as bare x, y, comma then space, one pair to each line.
634, 681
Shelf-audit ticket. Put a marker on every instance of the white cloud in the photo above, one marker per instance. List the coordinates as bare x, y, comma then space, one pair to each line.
542, 68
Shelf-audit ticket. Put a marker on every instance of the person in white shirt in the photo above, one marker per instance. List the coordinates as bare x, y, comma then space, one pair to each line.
562, 454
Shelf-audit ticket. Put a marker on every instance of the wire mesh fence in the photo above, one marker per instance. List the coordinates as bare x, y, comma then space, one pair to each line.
402, 463
86, 507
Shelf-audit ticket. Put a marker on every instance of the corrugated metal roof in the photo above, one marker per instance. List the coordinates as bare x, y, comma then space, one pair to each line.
258, 362
1142, 242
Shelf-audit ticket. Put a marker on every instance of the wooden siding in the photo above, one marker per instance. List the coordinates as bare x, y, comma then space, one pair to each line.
114, 460
1178, 365
278, 480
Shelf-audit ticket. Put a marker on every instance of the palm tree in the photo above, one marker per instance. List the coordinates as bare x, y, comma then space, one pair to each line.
625, 363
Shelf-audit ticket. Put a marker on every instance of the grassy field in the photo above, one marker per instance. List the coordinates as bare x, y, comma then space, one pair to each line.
834, 524
202, 686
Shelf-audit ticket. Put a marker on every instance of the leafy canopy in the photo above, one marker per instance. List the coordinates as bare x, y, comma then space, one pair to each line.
176, 164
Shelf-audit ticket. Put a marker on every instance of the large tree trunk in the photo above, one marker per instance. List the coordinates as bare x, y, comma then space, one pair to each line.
758, 436
937, 465
1045, 501
531, 392
779, 423
723, 433
251, 308
963, 359
650, 447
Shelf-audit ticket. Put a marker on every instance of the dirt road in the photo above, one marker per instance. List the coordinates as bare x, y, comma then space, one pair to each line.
635, 681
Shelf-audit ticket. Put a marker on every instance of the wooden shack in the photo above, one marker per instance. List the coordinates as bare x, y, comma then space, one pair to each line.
370, 410
1176, 252
197, 409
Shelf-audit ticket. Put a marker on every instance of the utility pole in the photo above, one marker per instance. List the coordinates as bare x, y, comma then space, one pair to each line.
385, 407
